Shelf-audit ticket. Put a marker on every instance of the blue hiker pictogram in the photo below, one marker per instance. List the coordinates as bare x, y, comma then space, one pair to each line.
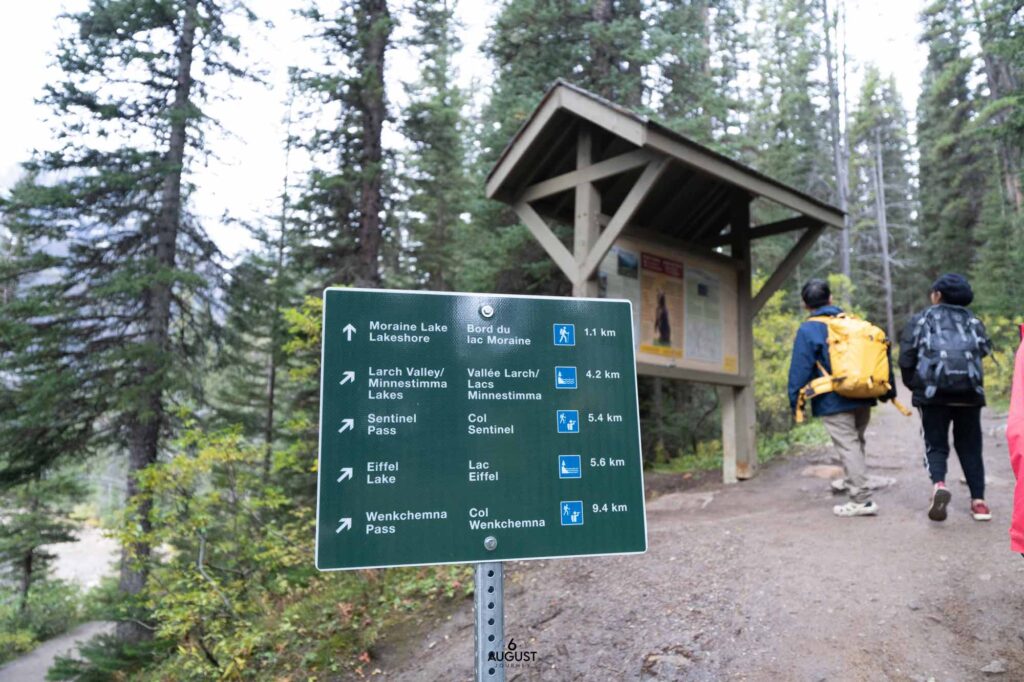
572, 513
565, 377
569, 466
568, 421
565, 334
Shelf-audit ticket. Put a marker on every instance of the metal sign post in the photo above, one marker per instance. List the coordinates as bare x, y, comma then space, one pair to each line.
489, 600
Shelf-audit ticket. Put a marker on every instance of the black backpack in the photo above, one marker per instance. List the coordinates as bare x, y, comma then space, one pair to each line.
950, 343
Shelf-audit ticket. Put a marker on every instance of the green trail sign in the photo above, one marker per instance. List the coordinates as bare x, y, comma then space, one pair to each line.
464, 428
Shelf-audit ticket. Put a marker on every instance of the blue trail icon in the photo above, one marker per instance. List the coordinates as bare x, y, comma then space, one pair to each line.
565, 334
569, 466
568, 421
565, 377
572, 513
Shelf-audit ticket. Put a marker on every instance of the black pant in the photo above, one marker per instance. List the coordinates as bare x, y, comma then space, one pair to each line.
966, 439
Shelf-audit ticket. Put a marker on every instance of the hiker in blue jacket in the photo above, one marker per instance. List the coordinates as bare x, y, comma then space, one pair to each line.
845, 419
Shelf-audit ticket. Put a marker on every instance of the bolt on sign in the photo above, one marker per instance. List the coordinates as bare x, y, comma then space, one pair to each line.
464, 428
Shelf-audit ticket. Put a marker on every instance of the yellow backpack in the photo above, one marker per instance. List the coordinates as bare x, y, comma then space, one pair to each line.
859, 354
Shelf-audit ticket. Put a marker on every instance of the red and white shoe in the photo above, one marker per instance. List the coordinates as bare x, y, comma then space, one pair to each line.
980, 511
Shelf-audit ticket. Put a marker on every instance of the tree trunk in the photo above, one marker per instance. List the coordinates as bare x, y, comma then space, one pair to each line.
659, 417
838, 157
634, 95
268, 426
26, 581
883, 234
1002, 83
271, 387
373, 110
601, 52
145, 424
436, 276
269, 432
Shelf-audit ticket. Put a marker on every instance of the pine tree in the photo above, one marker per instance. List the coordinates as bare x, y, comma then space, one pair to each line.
835, 67
36, 513
999, 25
699, 46
252, 363
1000, 121
434, 123
883, 202
789, 139
599, 45
995, 274
111, 309
954, 162
786, 134
617, 51
10, 251
349, 189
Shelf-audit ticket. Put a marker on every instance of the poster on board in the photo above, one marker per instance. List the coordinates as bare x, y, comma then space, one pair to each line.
703, 317
684, 305
661, 306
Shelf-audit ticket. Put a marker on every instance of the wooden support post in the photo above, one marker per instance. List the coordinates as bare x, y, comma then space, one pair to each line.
586, 227
727, 401
739, 418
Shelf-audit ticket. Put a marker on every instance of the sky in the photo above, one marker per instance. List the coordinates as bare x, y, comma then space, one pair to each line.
246, 174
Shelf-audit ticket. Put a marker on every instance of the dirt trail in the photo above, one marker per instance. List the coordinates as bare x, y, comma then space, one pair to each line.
85, 561
759, 581
32, 666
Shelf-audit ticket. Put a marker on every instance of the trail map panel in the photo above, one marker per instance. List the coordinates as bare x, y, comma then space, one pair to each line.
463, 427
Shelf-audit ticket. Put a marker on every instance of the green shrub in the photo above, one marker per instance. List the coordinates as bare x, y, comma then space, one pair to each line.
54, 607
999, 366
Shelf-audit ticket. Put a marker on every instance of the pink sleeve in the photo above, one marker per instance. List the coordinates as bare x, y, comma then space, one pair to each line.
1015, 438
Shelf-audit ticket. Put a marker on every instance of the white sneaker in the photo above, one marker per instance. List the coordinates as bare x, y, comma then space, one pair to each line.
838, 485
868, 508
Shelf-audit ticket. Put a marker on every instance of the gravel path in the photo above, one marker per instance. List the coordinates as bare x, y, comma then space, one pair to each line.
759, 581
86, 562
32, 666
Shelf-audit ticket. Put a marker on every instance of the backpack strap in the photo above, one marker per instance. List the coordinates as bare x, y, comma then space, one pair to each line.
818, 386
901, 407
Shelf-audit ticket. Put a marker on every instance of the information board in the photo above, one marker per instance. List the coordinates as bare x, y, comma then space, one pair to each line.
684, 305
462, 427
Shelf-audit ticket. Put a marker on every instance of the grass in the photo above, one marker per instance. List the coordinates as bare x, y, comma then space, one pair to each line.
708, 455
329, 629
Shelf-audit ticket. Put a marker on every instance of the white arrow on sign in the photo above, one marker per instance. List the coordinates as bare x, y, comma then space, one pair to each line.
346, 524
349, 331
346, 472
347, 377
347, 424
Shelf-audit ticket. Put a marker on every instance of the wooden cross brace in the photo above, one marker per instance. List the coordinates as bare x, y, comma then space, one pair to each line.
590, 244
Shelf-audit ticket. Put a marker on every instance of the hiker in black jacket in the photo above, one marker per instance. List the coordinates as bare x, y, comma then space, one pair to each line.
940, 361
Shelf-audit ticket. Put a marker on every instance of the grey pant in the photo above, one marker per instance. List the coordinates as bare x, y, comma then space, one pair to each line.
847, 431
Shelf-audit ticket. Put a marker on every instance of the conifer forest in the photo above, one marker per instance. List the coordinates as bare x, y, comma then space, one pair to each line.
163, 388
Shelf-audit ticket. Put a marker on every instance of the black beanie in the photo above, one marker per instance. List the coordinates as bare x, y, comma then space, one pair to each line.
954, 288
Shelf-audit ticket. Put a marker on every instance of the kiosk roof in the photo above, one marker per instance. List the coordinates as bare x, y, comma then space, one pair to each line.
691, 199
